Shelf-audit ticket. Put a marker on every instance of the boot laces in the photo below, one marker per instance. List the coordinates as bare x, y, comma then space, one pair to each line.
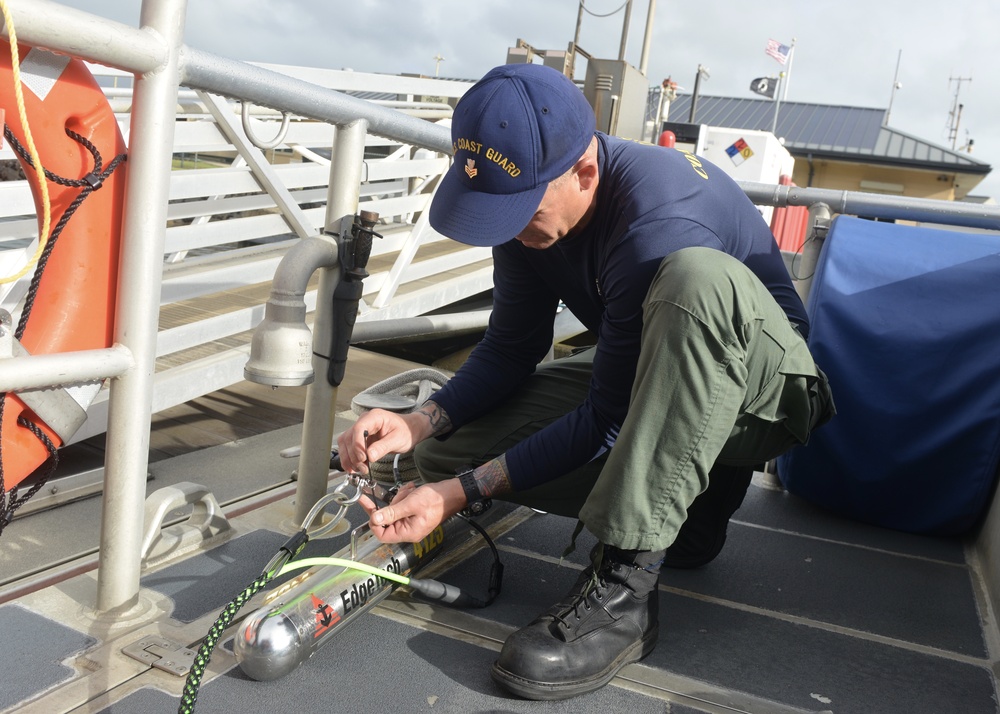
596, 587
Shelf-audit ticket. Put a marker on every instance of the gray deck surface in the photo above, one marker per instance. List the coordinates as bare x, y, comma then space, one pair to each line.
783, 617
802, 612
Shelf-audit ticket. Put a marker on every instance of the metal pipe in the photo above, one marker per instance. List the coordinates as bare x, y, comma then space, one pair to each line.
579, 24
203, 70
575, 47
694, 95
644, 57
873, 205
62, 29
317, 425
53, 370
425, 327
138, 309
625, 23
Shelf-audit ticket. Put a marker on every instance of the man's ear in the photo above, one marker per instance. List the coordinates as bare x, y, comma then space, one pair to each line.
586, 173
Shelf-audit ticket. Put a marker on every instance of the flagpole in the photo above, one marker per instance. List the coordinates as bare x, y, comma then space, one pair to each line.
791, 56
777, 104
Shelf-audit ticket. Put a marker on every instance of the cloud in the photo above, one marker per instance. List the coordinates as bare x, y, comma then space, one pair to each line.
846, 51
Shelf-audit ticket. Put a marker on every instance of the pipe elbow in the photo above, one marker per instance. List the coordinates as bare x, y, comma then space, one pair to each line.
281, 347
300, 262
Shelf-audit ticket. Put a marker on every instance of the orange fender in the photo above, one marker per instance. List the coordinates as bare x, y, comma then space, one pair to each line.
75, 303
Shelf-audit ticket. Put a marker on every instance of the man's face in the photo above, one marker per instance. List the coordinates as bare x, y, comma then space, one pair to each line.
562, 208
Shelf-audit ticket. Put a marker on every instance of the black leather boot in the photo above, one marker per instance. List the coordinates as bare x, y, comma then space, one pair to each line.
608, 620
703, 534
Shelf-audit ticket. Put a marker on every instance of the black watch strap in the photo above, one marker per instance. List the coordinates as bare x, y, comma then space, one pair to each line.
470, 487
476, 503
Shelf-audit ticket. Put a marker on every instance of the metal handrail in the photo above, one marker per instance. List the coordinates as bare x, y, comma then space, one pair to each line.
264, 87
161, 63
873, 205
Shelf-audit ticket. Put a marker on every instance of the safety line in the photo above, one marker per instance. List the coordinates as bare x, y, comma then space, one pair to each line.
15, 63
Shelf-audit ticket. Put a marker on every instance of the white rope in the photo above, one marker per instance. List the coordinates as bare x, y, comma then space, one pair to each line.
409, 390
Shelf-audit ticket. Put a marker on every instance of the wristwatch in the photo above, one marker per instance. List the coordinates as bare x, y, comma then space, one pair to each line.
477, 505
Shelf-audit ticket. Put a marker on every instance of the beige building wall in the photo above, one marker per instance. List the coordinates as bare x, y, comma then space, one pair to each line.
871, 178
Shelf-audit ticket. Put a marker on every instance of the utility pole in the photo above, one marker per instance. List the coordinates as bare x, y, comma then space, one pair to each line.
955, 115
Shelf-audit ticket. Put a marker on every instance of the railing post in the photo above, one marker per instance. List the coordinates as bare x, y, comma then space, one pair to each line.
321, 397
144, 227
819, 225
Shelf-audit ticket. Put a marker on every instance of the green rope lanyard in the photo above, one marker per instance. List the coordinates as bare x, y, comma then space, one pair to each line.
204, 655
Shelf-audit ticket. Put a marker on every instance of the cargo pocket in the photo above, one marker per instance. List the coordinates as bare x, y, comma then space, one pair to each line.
779, 415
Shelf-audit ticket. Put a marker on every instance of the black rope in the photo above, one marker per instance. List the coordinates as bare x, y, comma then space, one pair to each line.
13, 501
89, 183
97, 175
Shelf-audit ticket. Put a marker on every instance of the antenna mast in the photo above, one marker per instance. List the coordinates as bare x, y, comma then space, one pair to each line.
955, 115
896, 84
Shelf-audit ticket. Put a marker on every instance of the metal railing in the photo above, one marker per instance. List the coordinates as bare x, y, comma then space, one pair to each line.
161, 64
235, 209
155, 55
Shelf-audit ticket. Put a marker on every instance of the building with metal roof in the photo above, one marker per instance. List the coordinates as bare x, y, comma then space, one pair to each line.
841, 147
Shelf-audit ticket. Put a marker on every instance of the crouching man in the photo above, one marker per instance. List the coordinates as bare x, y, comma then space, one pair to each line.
700, 370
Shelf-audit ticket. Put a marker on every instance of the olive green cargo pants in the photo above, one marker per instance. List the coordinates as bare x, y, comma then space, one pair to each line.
722, 377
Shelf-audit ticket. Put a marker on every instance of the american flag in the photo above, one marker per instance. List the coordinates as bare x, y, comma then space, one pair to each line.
778, 51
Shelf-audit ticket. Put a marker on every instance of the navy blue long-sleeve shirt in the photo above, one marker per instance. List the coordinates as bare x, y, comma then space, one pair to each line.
651, 201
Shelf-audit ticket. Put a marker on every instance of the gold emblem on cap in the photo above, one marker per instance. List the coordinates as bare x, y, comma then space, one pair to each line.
470, 168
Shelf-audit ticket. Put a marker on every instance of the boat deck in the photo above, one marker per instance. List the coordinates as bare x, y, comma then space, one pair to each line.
802, 611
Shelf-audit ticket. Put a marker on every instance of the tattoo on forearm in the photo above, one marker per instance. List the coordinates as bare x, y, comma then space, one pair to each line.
492, 478
438, 418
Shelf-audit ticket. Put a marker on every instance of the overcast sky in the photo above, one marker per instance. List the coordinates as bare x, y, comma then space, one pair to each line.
845, 50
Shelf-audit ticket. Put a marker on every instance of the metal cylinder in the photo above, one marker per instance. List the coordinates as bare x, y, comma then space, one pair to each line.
302, 615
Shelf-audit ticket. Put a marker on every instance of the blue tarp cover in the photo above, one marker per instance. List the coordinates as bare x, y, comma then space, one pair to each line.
905, 322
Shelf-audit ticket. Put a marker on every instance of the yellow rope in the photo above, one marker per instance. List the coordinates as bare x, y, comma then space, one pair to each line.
15, 63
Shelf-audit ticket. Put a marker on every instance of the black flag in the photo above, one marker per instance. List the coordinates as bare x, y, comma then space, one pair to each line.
764, 86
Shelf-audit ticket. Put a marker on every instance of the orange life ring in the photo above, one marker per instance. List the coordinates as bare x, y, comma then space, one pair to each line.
74, 306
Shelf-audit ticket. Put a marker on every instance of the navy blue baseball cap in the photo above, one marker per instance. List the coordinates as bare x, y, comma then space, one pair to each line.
514, 131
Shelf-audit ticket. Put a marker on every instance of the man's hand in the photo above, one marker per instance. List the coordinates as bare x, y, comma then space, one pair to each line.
373, 435
418, 510
388, 433
415, 511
